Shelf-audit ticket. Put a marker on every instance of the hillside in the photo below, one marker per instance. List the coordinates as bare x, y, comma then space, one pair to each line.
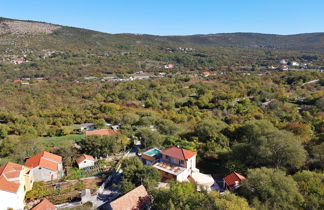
52, 48
312, 42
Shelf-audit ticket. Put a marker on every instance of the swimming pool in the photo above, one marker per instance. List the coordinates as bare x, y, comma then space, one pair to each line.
152, 152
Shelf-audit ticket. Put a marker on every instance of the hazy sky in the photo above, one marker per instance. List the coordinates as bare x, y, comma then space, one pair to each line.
174, 17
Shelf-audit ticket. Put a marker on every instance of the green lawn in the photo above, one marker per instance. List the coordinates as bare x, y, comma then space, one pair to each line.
60, 140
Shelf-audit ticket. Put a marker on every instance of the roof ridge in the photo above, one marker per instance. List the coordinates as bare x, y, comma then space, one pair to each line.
184, 157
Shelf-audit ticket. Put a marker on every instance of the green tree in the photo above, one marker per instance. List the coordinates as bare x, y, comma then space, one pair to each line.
311, 185
136, 174
272, 187
227, 201
149, 137
264, 145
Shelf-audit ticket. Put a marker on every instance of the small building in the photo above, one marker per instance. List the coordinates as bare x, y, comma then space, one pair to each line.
266, 104
15, 181
206, 74
169, 66
283, 68
233, 180
151, 156
44, 205
283, 62
102, 132
45, 166
87, 126
85, 161
203, 181
177, 164
135, 199
19, 61
293, 63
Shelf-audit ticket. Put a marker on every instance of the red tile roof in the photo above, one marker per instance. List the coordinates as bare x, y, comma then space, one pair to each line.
102, 132
84, 157
9, 171
133, 200
232, 178
178, 153
44, 159
44, 205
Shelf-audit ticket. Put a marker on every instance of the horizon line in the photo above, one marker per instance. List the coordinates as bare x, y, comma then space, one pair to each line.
197, 34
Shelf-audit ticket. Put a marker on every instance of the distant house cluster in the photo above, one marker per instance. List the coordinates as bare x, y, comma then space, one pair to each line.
284, 65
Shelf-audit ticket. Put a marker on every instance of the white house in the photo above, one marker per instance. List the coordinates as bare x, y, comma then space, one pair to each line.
45, 166
283, 62
15, 181
180, 164
85, 161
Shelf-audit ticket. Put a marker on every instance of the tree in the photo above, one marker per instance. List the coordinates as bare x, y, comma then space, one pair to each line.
272, 187
101, 123
227, 201
210, 130
100, 146
167, 127
264, 145
3, 131
179, 196
149, 137
311, 186
129, 119
136, 174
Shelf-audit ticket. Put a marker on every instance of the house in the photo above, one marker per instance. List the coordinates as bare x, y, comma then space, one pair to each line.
44, 205
102, 132
176, 163
17, 81
169, 66
85, 161
283, 62
87, 126
45, 166
151, 156
293, 63
283, 68
206, 74
233, 180
266, 104
179, 164
136, 199
15, 181
19, 61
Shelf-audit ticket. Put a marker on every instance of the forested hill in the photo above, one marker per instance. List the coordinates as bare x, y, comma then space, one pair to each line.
60, 52
50, 35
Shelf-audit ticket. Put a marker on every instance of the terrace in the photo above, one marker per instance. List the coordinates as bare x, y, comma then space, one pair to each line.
169, 168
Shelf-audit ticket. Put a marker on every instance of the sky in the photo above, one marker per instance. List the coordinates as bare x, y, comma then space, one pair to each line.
174, 17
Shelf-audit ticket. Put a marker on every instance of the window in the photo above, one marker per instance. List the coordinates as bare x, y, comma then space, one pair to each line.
181, 162
167, 157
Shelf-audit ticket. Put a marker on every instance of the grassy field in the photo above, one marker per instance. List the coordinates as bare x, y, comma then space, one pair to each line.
60, 140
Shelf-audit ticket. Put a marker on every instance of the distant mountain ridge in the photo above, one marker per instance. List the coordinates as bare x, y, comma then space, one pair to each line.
309, 42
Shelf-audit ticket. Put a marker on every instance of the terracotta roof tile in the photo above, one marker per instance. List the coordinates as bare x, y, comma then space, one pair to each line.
8, 171
102, 132
178, 153
232, 178
133, 200
84, 157
44, 159
44, 205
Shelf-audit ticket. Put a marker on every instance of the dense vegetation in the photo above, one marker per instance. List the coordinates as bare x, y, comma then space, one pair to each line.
277, 146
